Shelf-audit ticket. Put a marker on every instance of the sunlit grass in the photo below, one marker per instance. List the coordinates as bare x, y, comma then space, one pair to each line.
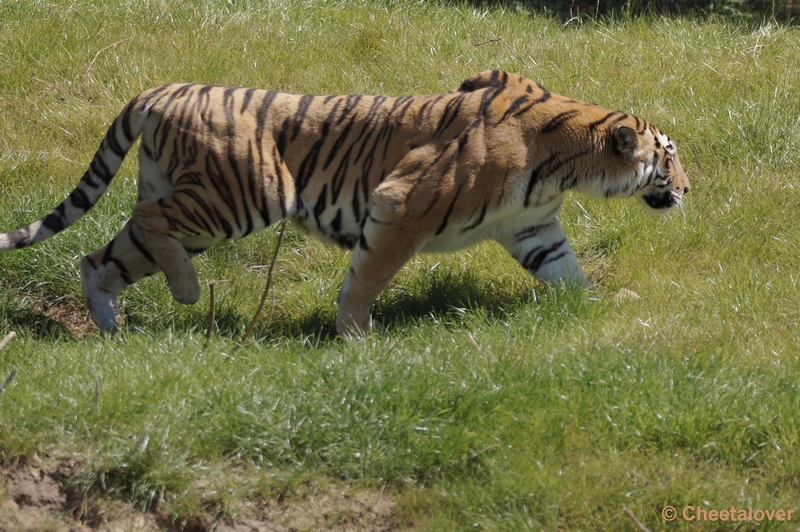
489, 401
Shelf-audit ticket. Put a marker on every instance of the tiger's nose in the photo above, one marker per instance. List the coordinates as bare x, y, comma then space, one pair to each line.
685, 190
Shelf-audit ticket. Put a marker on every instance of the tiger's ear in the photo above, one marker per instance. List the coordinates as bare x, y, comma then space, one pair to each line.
626, 140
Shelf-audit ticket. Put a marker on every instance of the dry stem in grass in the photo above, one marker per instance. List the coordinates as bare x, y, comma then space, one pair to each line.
266, 288
101, 50
10, 336
212, 310
9, 379
636, 522
96, 393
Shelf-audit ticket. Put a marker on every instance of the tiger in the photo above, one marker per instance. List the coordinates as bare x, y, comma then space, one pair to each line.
385, 177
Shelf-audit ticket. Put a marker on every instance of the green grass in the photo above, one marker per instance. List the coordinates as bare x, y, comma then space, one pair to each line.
490, 402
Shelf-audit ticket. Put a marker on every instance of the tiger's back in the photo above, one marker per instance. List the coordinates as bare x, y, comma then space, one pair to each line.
384, 176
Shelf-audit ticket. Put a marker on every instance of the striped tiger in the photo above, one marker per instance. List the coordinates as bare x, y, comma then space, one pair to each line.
386, 177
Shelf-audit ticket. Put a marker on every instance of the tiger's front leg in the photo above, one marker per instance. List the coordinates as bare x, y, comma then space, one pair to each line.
388, 241
544, 251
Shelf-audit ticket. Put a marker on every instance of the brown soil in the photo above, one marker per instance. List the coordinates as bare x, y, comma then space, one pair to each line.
76, 320
33, 499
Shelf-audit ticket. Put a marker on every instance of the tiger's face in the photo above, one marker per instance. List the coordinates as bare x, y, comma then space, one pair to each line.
664, 182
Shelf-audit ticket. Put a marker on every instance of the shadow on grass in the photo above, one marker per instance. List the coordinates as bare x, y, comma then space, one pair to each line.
62, 320
447, 293
440, 295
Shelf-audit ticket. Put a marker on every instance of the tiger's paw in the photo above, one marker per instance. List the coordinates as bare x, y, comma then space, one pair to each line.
185, 289
105, 311
350, 328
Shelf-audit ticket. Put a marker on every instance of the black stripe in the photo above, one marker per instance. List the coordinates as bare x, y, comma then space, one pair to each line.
80, 200
352, 102
450, 209
340, 177
454, 106
536, 176
140, 246
280, 178
100, 169
228, 104
536, 257
257, 183
55, 220
309, 163
336, 223
126, 123
355, 204
558, 121
369, 125
516, 104
546, 95
146, 150
555, 257
222, 221
107, 257
221, 185
479, 221
280, 144
300, 114
597, 123
123, 271
339, 143
248, 95
202, 221
467, 86
321, 203
113, 143
530, 232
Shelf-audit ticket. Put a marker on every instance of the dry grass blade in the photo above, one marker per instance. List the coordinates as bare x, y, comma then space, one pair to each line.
636, 522
103, 49
266, 288
10, 336
487, 40
212, 310
9, 379
96, 393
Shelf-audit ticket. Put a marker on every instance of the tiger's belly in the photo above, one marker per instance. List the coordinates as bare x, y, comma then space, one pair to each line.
340, 227
496, 226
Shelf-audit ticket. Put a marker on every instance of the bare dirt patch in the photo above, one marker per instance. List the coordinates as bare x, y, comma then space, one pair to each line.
77, 320
33, 499
52, 318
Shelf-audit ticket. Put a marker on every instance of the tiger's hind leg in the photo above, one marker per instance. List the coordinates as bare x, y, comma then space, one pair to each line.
157, 224
107, 271
119, 264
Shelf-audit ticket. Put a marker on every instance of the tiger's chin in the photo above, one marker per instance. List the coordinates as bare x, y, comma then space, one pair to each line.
661, 203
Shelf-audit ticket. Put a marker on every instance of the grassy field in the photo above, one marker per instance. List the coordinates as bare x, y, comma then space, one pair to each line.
490, 402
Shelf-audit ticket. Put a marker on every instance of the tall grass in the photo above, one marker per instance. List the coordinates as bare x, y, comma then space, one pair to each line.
490, 401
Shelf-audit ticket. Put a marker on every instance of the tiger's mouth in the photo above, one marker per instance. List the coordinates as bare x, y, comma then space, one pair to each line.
661, 201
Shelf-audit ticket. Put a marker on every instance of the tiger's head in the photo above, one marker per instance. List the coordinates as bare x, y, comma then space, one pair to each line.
662, 182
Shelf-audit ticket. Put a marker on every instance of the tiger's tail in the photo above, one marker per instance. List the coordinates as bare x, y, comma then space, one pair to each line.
109, 156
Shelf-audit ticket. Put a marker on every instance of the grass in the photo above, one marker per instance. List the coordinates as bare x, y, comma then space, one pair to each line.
489, 402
